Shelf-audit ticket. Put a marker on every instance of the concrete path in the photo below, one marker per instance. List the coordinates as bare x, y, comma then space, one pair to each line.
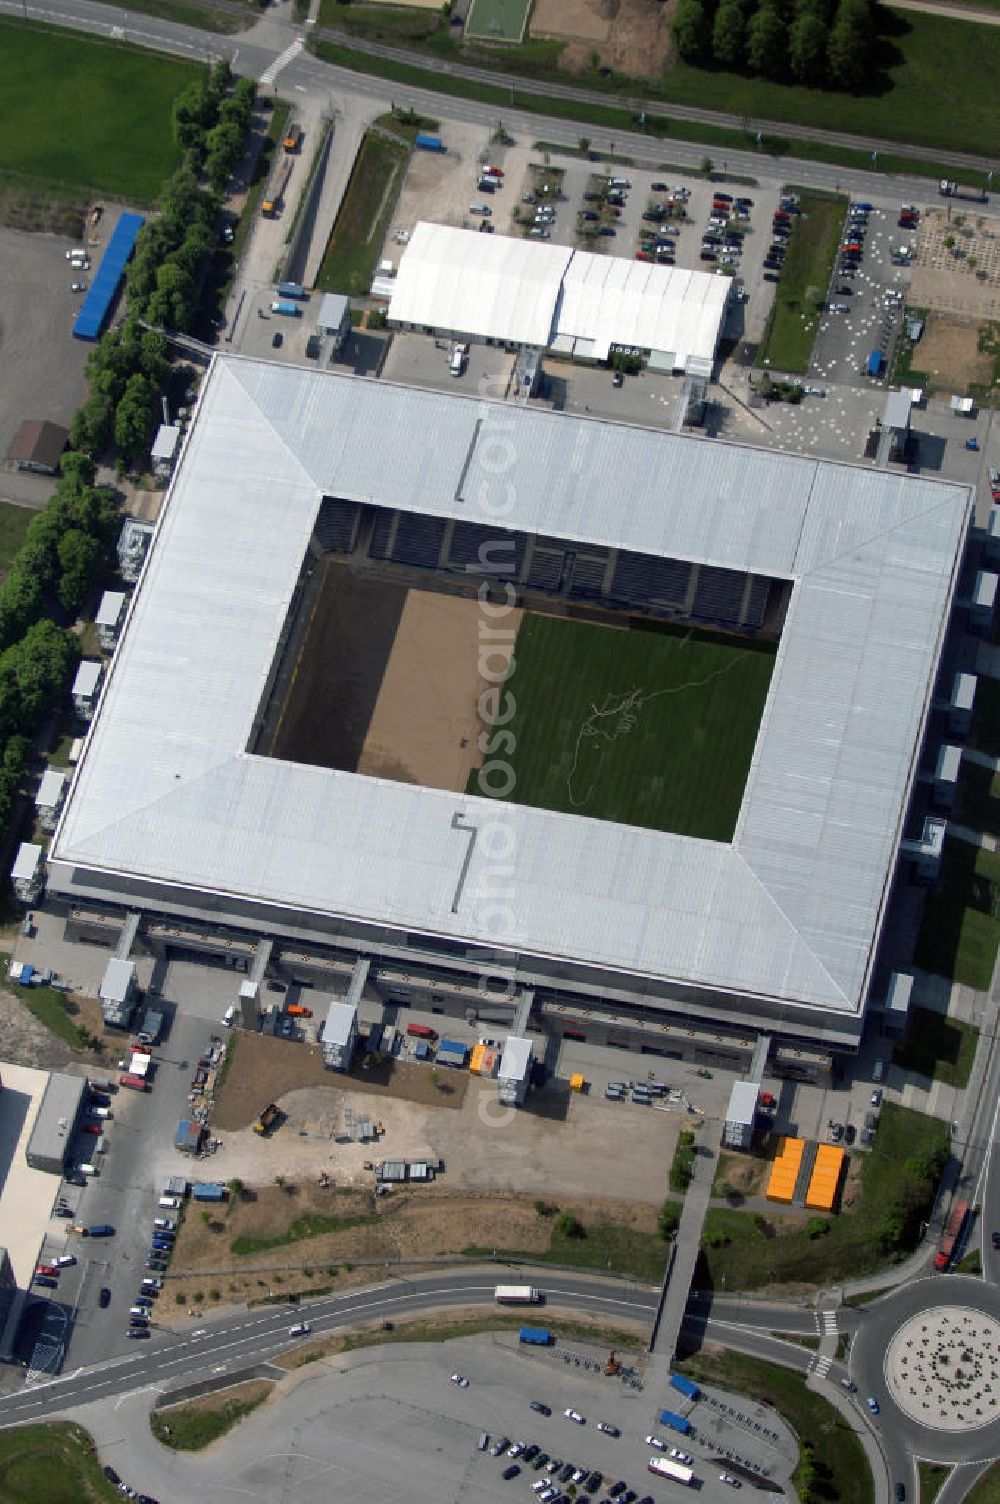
686, 1246
953, 12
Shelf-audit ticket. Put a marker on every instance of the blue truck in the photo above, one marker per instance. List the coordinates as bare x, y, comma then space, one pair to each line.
684, 1386
429, 143
876, 363
535, 1336
675, 1422
287, 309
292, 290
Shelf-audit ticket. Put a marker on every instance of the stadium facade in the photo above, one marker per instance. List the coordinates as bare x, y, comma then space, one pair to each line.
173, 813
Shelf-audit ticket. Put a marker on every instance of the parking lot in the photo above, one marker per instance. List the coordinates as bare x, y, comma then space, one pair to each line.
864, 307
41, 364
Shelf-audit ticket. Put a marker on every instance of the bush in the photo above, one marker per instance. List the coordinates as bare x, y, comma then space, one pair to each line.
682, 1166
668, 1220
569, 1226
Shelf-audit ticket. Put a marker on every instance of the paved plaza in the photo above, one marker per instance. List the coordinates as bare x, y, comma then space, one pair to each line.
942, 1368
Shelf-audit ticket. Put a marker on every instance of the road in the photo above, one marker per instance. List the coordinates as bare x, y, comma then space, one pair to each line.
255, 52
953, 12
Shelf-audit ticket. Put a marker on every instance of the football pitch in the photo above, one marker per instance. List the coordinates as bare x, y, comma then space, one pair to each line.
498, 20
649, 727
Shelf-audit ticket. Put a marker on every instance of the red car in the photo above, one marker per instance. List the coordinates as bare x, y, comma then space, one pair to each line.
49, 1269
90, 1127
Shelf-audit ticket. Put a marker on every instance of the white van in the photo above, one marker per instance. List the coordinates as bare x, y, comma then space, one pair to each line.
457, 362
76, 253
169, 1203
139, 1311
87, 1169
483, 209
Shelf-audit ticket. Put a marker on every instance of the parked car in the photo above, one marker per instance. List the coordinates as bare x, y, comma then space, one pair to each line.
104, 1298
728, 1478
64, 1260
540, 1407
46, 1280
510, 1472
608, 1428
876, 1097
574, 1415
657, 1442
679, 1456
873, 1404
460, 1380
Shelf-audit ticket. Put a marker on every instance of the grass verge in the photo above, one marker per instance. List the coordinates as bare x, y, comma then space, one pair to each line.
939, 1047
812, 250
436, 1331
190, 13
14, 524
960, 929
830, 1450
622, 1250
312, 1225
50, 1007
931, 1476
193, 1426
54, 1464
987, 1490
86, 114
746, 1251
351, 252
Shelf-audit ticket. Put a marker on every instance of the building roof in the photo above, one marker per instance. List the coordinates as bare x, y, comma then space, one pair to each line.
897, 409
168, 436
340, 1021
533, 293
104, 283
88, 676
26, 862
38, 442
743, 1102
57, 1113
790, 909
332, 311
117, 980
111, 607
515, 1062
50, 788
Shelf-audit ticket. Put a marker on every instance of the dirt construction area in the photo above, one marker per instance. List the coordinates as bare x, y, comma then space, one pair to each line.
956, 268
948, 353
630, 36
562, 1144
388, 684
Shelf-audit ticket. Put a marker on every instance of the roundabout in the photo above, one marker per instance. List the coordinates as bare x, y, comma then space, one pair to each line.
930, 1352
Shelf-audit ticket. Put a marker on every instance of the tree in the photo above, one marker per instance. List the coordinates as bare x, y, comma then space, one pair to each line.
92, 425
807, 47
692, 31
729, 35
584, 144
192, 112
570, 1226
77, 468
134, 419
80, 560
766, 46
850, 44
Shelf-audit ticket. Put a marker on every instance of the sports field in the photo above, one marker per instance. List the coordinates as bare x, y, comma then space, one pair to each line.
77, 113
644, 727
498, 20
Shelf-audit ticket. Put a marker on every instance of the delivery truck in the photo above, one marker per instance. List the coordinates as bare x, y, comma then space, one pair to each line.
287, 308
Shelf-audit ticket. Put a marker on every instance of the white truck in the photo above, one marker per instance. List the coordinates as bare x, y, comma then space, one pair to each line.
517, 1295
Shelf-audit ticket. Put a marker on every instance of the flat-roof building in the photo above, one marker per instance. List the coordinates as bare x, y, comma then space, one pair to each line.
85, 687
50, 796
174, 813
340, 1033
741, 1115
109, 618
117, 992
58, 1115
28, 872
514, 1075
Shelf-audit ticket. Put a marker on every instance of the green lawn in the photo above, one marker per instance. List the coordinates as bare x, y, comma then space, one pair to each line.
987, 1490
645, 727
354, 245
961, 923
14, 524
939, 1047
312, 1225
840, 1470
191, 1428
498, 20
812, 251
190, 13
753, 1251
53, 1464
932, 1476
85, 114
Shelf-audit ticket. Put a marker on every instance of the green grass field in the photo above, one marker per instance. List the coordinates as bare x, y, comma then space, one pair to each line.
354, 244
812, 250
14, 524
987, 1490
53, 1464
938, 1047
643, 727
497, 20
87, 115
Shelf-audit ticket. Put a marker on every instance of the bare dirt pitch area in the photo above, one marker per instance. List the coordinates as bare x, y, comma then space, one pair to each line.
948, 353
630, 36
388, 683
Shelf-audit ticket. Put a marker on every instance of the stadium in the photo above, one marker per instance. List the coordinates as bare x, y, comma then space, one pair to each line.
511, 702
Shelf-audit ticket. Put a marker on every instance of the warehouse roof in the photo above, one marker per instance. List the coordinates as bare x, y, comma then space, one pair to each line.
38, 443
790, 909
532, 293
57, 1115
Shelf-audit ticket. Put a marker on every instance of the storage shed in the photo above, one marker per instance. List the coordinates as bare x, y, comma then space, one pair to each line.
515, 1071
28, 871
946, 771
187, 1139
963, 697
452, 1052
38, 446
117, 992
741, 1115
109, 618
58, 1115
85, 687
340, 1032
50, 796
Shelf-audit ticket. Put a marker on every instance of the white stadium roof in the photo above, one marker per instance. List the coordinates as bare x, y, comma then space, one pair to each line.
167, 794
532, 293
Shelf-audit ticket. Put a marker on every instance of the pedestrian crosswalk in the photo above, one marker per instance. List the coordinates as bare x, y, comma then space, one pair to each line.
821, 1366
826, 1321
267, 78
